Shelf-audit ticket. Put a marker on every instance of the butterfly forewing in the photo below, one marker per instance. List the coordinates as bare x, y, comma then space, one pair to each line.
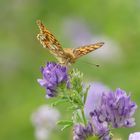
83, 50
48, 40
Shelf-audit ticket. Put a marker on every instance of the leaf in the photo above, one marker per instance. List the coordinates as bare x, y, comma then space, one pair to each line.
65, 122
85, 94
65, 126
74, 107
59, 101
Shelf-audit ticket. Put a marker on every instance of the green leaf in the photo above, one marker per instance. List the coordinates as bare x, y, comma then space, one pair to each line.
85, 94
65, 126
65, 122
74, 107
59, 101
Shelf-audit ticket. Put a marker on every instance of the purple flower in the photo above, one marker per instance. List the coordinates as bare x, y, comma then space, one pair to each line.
81, 132
134, 136
94, 97
53, 75
108, 108
44, 121
117, 109
100, 128
93, 101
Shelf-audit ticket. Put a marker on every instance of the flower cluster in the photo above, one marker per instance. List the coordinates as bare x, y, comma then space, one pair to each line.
82, 132
100, 128
44, 120
113, 109
53, 75
96, 110
134, 136
117, 109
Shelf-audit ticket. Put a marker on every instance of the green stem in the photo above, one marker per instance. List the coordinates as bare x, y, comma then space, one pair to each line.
83, 116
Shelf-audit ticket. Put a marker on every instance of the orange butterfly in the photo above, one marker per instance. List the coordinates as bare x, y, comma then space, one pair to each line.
67, 55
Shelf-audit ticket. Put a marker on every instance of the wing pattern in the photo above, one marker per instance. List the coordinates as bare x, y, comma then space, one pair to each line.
83, 50
48, 40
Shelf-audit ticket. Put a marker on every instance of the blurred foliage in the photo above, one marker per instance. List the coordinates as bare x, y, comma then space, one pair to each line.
21, 55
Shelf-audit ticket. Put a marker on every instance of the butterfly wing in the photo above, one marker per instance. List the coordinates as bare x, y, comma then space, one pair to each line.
83, 50
48, 41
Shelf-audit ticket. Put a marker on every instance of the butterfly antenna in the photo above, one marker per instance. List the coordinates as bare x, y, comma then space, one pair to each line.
97, 65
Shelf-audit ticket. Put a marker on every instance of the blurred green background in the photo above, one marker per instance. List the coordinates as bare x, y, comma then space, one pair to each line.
21, 56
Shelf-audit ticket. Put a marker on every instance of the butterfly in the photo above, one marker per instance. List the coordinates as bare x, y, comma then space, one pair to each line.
65, 56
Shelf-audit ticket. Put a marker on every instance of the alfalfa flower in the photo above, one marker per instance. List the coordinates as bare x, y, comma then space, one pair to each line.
100, 128
134, 136
91, 131
81, 132
94, 95
93, 101
53, 75
114, 109
117, 109
44, 120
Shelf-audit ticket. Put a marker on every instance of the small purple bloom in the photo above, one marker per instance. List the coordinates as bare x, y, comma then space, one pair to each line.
81, 132
100, 128
53, 75
93, 102
94, 97
117, 109
44, 121
134, 136
109, 109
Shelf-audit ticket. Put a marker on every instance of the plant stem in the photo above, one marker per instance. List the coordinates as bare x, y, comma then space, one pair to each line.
83, 116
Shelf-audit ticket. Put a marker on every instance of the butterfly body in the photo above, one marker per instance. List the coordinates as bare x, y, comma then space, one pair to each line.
65, 56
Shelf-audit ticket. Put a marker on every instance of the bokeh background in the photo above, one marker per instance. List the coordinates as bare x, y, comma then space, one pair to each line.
117, 23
